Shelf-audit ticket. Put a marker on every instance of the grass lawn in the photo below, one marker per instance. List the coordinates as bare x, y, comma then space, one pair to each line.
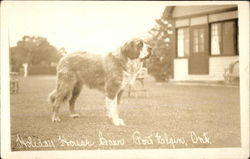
167, 116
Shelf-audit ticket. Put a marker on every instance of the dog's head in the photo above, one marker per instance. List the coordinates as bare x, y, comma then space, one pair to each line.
136, 49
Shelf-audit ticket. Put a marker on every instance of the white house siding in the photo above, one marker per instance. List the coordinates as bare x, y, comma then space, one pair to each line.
180, 69
218, 64
216, 69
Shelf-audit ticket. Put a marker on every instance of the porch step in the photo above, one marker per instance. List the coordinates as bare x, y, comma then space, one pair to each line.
204, 83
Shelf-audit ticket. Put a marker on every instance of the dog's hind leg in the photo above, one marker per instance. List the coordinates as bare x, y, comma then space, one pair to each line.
65, 84
75, 93
52, 96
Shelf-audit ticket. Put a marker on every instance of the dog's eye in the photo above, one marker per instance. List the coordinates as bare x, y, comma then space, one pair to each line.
140, 44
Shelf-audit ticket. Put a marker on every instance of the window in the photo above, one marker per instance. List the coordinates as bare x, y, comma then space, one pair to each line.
198, 40
216, 39
224, 38
183, 42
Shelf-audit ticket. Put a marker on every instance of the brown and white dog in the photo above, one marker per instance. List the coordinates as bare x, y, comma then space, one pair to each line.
109, 73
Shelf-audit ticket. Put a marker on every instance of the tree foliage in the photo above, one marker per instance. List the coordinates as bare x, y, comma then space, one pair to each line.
160, 65
34, 51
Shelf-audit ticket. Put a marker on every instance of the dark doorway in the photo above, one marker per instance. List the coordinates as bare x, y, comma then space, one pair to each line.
199, 57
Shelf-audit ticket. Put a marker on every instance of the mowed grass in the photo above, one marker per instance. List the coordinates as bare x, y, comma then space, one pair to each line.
176, 110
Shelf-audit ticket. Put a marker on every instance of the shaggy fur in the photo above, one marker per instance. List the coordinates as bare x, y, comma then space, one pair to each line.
110, 74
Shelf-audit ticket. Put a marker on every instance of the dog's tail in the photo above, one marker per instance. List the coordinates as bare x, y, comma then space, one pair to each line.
52, 96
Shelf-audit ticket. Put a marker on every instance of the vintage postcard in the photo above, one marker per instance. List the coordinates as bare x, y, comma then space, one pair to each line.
128, 79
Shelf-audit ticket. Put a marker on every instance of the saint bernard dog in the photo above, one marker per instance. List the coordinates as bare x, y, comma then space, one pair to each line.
109, 73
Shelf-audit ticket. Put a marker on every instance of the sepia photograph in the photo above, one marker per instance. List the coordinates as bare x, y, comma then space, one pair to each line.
135, 78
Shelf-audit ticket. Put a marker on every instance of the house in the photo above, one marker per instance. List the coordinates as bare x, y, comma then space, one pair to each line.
205, 40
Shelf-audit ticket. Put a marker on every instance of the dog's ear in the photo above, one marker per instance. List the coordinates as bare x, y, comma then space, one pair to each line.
125, 49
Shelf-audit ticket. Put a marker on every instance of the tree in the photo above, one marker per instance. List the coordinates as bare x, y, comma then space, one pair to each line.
34, 51
160, 65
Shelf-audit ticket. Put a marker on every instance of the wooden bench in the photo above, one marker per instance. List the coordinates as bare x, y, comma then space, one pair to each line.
140, 77
231, 73
14, 82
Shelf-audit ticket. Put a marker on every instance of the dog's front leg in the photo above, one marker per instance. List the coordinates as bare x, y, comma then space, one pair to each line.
112, 112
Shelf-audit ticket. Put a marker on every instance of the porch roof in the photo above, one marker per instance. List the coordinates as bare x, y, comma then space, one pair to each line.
196, 10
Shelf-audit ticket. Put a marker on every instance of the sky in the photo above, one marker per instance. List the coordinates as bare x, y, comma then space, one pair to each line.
97, 27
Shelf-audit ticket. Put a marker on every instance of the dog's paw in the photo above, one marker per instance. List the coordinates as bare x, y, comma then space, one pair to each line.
56, 119
118, 122
74, 116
